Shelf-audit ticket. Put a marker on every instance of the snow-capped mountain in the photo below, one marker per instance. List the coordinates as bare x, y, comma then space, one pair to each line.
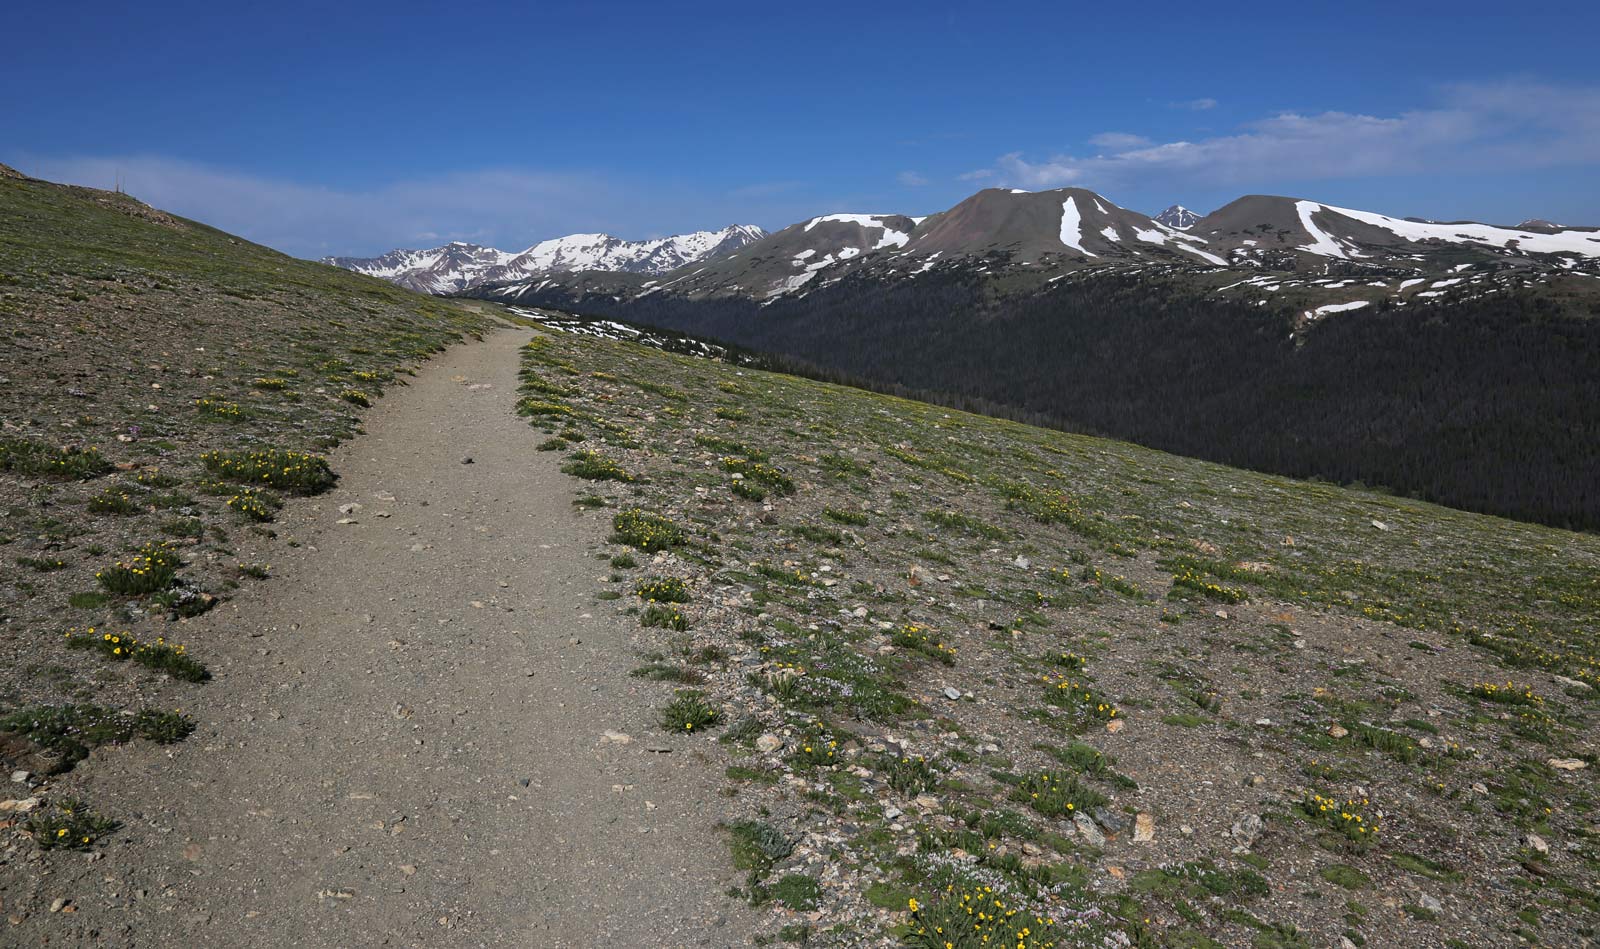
1328, 258
1178, 216
459, 266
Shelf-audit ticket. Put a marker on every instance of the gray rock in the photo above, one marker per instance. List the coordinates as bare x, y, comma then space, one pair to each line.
1430, 903
953, 695
1110, 820
1087, 828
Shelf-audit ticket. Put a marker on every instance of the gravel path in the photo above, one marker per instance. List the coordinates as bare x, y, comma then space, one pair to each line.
406, 742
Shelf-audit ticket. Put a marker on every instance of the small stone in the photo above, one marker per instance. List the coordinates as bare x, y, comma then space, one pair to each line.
1144, 828
1430, 903
467, 460
1380, 525
1246, 829
1186, 830
890, 813
351, 508
348, 520
408, 869
20, 777
1022, 563
1567, 764
927, 802
1478, 787
1222, 614
1264, 722
1086, 826
616, 737
58, 904
953, 695
1114, 726
769, 743
1338, 731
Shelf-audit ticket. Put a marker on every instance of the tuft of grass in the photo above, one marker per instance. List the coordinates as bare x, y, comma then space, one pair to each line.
67, 823
72, 731
689, 711
27, 457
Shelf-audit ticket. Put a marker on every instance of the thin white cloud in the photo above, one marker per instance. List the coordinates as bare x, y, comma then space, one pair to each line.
508, 205
1476, 127
1118, 141
1196, 105
912, 179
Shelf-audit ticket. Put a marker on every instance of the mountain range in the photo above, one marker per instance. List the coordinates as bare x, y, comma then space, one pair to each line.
460, 266
1259, 246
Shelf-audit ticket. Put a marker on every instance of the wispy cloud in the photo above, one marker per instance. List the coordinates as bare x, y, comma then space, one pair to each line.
1196, 105
1475, 127
1118, 141
912, 179
507, 205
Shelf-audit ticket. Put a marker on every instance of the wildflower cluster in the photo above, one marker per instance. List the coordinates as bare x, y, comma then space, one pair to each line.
151, 570
1066, 691
1068, 660
271, 383
976, 916
664, 616
794, 577
217, 408
1190, 580
112, 501
1508, 694
362, 375
763, 474
1058, 794
356, 397
294, 471
255, 505
911, 775
67, 823
31, 458
663, 590
160, 655
817, 748
537, 408
917, 638
646, 531
1350, 818
594, 466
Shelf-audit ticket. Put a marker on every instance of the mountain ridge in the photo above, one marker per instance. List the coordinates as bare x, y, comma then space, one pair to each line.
459, 265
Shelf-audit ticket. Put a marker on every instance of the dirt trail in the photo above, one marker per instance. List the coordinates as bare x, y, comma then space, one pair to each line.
405, 744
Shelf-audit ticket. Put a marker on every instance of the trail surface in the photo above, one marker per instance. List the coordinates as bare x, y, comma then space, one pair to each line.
406, 744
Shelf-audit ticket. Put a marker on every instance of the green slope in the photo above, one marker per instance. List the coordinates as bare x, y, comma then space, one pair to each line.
1124, 629
145, 361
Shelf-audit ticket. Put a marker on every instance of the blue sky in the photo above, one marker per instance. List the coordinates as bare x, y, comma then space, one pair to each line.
352, 128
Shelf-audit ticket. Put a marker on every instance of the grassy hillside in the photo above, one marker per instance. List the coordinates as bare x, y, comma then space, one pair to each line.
1486, 401
163, 387
1083, 687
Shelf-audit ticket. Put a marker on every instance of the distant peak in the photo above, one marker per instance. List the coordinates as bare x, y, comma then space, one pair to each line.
1177, 216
